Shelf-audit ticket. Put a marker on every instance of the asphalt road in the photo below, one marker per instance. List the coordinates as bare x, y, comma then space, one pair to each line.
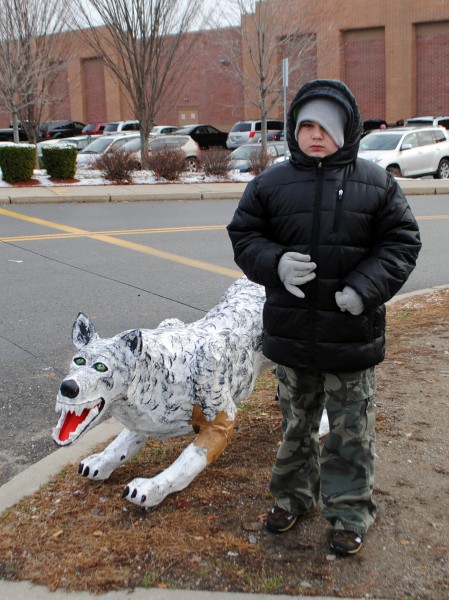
125, 265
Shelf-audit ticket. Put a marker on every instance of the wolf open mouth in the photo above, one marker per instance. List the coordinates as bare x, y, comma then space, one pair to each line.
72, 423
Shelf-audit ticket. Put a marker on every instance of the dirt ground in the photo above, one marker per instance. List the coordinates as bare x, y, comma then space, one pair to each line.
78, 535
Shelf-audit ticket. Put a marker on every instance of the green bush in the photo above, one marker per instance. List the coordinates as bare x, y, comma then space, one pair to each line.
17, 162
60, 161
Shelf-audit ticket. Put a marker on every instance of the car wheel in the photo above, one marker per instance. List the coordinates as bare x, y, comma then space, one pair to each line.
394, 170
191, 164
443, 169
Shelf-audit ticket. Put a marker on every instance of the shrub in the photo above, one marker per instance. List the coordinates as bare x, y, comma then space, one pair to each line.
167, 163
259, 160
17, 162
60, 161
116, 165
216, 161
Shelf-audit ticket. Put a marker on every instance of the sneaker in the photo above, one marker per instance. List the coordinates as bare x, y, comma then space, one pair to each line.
346, 542
279, 520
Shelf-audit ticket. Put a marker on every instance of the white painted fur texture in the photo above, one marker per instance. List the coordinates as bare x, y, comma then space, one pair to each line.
164, 382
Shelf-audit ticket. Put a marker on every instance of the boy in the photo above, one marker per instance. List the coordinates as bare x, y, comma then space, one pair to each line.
332, 238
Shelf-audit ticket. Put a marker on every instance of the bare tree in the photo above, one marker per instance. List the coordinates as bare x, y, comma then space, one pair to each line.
143, 43
32, 54
269, 33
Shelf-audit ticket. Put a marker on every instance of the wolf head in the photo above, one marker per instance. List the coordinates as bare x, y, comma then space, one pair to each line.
99, 375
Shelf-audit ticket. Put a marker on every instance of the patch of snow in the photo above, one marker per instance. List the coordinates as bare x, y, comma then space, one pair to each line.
92, 177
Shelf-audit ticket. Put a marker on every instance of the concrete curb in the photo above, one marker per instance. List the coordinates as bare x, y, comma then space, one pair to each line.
121, 193
24, 590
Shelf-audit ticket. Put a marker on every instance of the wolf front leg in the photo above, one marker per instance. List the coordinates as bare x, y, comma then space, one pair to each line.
100, 466
213, 438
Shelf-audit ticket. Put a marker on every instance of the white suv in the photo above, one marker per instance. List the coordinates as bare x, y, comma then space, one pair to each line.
409, 151
247, 132
115, 127
427, 121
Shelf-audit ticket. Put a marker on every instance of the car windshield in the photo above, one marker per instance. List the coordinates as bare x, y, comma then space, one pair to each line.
244, 152
98, 145
380, 141
185, 130
242, 126
111, 127
132, 145
165, 141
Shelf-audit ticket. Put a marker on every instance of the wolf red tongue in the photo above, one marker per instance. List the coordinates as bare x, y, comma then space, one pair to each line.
71, 423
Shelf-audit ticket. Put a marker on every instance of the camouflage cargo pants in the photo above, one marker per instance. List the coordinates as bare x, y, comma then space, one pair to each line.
344, 473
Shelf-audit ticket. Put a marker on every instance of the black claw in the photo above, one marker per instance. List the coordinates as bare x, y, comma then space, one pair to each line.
125, 492
96, 473
86, 472
80, 468
134, 494
142, 500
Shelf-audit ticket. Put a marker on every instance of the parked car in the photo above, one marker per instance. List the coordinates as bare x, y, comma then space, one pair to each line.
409, 152
371, 124
94, 129
184, 142
426, 121
244, 132
7, 134
163, 129
241, 156
59, 129
206, 136
80, 142
278, 136
115, 127
101, 145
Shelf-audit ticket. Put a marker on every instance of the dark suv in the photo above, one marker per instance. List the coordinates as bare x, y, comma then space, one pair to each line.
59, 129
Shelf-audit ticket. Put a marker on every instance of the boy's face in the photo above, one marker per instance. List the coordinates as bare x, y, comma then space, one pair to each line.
315, 141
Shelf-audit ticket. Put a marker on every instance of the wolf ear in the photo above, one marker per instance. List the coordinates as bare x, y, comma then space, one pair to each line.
83, 331
133, 340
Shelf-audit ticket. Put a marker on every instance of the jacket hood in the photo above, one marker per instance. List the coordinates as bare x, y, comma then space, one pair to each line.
332, 90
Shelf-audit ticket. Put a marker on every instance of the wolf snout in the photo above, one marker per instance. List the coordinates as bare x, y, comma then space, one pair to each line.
69, 388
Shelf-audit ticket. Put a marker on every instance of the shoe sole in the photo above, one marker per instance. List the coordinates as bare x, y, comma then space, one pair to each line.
345, 551
272, 529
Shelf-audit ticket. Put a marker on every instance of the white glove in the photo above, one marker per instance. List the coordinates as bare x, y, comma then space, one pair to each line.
349, 300
295, 269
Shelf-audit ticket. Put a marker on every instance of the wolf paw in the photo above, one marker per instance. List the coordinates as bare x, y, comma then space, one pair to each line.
94, 467
145, 492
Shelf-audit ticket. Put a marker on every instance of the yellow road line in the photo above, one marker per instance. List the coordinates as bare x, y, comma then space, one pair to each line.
56, 236
191, 262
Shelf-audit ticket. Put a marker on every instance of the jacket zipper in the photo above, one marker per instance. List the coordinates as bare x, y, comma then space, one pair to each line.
314, 255
338, 208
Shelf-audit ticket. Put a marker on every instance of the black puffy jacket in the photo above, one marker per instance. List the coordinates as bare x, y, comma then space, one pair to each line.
352, 218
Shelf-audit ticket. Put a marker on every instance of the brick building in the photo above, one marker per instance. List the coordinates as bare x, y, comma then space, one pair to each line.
393, 54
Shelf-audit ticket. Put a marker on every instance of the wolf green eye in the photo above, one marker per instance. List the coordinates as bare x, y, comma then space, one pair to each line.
79, 360
100, 367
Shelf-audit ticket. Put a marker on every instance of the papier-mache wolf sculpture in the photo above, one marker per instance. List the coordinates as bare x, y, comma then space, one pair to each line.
159, 383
